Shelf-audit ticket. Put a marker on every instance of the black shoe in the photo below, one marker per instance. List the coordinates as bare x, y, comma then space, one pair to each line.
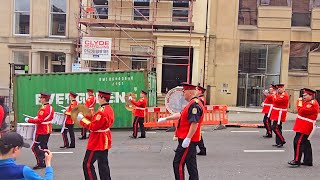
82, 138
72, 147
294, 163
142, 137
38, 167
64, 147
202, 153
132, 137
307, 164
284, 143
267, 136
278, 145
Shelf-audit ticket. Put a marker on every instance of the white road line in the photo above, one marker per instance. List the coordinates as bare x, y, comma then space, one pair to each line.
62, 152
151, 132
287, 130
262, 151
245, 131
55, 134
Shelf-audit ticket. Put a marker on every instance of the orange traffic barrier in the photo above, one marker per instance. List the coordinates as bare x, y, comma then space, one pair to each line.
214, 115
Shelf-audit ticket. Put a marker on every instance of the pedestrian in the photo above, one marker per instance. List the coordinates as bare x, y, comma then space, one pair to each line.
11, 144
200, 93
279, 113
188, 133
3, 115
43, 129
305, 123
69, 124
139, 110
100, 139
90, 103
267, 107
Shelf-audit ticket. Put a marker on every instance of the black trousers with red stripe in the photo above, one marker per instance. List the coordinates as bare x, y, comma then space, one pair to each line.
140, 121
186, 156
277, 129
84, 132
302, 145
41, 142
70, 129
267, 124
103, 165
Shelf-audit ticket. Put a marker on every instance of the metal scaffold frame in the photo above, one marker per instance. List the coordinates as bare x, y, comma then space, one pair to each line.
120, 24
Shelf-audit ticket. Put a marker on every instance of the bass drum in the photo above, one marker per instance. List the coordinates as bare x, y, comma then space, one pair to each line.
174, 100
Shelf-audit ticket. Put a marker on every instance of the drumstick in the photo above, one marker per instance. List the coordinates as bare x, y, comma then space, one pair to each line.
62, 106
27, 116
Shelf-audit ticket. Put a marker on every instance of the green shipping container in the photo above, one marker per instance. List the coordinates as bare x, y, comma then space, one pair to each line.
28, 87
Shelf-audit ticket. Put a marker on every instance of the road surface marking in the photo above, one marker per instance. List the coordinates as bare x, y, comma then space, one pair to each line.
262, 151
62, 152
245, 131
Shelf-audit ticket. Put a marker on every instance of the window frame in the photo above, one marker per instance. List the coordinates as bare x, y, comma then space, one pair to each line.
307, 59
180, 8
14, 18
51, 16
144, 18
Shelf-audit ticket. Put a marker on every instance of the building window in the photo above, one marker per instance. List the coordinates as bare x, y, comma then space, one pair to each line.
97, 65
21, 17
141, 10
275, 2
58, 17
46, 64
247, 12
21, 57
180, 11
298, 60
101, 9
58, 62
301, 13
140, 61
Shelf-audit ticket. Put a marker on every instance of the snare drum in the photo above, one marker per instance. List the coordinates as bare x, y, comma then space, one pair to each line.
26, 130
58, 118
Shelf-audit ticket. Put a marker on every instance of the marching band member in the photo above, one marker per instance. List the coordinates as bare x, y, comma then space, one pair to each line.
100, 139
43, 130
304, 127
267, 107
69, 124
188, 133
90, 103
279, 113
200, 93
139, 110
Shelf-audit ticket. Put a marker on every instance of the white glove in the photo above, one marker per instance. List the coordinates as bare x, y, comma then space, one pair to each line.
63, 110
186, 142
130, 98
160, 120
26, 119
80, 116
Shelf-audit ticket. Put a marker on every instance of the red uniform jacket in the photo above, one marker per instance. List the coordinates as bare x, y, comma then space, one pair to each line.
68, 112
280, 105
267, 103
307, 115
43, 121
193, 112
90, 102
100, 136
140, 107
1, 115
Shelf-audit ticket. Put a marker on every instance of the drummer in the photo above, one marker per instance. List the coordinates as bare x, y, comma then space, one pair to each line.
43, 129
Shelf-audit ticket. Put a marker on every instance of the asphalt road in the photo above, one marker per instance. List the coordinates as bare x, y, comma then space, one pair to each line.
151, 158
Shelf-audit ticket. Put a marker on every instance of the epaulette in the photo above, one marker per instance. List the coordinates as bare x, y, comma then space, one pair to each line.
312, 101
102, 108
196, 101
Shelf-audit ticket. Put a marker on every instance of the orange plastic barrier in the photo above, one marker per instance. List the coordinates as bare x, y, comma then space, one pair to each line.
214, 115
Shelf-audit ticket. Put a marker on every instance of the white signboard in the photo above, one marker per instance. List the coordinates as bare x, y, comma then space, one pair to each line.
76, 67
96, 49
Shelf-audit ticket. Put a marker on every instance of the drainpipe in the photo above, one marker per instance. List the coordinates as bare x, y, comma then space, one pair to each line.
206, 47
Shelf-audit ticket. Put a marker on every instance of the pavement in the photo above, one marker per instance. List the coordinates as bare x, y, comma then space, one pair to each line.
232, 155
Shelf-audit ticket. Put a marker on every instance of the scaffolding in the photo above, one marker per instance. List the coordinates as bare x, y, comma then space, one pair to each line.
131, 24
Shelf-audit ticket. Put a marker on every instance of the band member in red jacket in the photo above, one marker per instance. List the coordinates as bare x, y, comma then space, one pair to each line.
200, 93
188, 133
69, 123
90, 103
43, 129
279, 113
267, 107
139, 110
100, 139
304, 127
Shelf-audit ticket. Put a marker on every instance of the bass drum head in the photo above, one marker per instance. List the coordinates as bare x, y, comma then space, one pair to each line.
174, 100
